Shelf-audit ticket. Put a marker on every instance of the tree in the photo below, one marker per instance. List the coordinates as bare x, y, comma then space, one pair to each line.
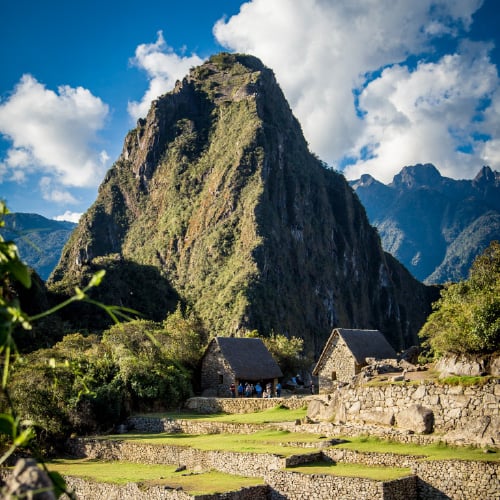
466, 319
186, 335
151, 375
287, 352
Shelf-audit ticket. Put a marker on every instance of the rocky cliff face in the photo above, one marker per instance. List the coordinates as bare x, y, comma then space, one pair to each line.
217, 200
434, 225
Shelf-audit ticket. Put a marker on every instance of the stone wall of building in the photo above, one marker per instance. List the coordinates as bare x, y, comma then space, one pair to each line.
339, 365
216, 373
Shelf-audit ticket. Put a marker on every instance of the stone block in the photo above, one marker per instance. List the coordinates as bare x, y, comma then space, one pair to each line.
385, 418
416, 418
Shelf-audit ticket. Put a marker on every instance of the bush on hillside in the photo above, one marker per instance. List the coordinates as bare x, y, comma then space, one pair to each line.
466, 319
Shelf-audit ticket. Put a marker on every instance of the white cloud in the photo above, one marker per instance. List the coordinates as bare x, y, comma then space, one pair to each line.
69, 216
52, 132
52, 192
427, 115
325, 53
163, 67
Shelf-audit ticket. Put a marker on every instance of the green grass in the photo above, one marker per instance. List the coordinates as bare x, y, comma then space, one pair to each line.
149, 475
273, 415
377, 473
269, 441
277, 442
437, 451
465, 381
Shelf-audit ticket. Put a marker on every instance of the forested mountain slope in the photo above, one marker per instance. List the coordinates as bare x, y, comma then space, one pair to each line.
39, 240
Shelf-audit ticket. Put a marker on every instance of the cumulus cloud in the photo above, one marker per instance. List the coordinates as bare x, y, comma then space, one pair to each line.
52, 133
362, 101
53, 192
163, 67
432, 113
69, 216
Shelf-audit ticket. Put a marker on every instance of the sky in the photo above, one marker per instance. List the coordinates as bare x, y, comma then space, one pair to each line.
376, 84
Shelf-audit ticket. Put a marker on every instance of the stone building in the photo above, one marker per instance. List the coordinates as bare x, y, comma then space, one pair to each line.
345, 353
230, 360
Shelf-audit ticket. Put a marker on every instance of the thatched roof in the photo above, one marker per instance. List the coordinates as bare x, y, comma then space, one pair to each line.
248, 357
362, 344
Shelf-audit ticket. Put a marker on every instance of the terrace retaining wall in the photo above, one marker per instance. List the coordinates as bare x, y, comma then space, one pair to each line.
436, 479
243, 405
247, 464
462, 414
294, 486
98, 491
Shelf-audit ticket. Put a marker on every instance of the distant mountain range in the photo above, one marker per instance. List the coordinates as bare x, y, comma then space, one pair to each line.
434, 225
39, 240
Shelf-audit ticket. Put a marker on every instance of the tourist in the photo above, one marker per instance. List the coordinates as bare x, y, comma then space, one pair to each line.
278, 390
232, 389
241, 389
258, 390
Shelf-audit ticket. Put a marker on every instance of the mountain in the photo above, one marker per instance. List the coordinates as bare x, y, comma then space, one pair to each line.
39, 240
216, 201
434, 225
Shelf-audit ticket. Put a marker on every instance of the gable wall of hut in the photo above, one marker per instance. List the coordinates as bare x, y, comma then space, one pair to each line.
216, 373
339, 365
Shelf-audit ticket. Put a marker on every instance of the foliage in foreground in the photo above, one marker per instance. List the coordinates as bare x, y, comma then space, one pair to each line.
466, 319
81, 383
87, 384
17, 430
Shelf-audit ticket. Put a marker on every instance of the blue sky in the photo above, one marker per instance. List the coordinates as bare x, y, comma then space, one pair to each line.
376, 85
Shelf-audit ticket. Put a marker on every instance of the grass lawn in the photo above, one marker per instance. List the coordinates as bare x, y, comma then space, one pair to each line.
377, 473
193, 483
276, 414
267, 441
431, 452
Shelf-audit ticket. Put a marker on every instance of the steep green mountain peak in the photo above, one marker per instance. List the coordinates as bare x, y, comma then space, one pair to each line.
216, 201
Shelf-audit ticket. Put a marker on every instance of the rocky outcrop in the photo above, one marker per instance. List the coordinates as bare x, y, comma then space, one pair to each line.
28, 481
416, 418
218, 197
468, 365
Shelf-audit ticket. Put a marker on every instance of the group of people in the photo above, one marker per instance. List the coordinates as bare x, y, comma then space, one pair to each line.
249, 390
